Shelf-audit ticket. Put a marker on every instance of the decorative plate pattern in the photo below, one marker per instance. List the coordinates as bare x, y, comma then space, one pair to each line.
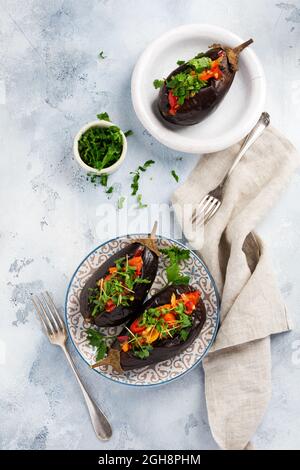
164, 371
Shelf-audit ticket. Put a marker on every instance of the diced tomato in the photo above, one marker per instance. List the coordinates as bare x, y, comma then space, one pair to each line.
190, 301
193, 296
170, 318
109, 306
137, 262
173, 102
189, 307
136, 328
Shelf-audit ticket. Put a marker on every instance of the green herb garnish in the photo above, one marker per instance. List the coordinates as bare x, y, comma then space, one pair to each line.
143, 352
136, 176
139, 201
176, 255
109, 190
97, 179
100, 147
103, 180
128, 133
175, 176
103, 117
200, 63
98, 341
101, 55
187, 83
120, 203
184, 85
158, 83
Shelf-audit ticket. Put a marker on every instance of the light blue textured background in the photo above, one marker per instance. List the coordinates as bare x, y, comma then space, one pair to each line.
51, 83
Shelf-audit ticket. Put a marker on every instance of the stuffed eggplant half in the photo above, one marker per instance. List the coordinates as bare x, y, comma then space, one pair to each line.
167, 323
116, 290
197, 87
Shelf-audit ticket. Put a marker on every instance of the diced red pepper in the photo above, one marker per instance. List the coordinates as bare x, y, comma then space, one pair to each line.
170, 318
190, 301
173, 102
137, 262
136, 327
213, 72
109, 306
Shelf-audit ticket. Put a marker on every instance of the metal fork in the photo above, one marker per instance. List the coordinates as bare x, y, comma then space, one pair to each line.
209, 205
56, 332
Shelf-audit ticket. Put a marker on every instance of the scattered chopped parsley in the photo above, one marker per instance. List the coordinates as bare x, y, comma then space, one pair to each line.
158, 83
103, 180
180, 62
101, 55
139, 201
103, 117
176, 255
109, 190
136, 176
120, 203
135, 183
175, 176
101, 147
97, 179
128, 133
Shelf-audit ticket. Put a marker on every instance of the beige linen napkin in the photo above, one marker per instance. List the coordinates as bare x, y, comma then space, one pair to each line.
238, 366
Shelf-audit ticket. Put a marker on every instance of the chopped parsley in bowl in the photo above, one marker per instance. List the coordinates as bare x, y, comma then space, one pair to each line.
100, 146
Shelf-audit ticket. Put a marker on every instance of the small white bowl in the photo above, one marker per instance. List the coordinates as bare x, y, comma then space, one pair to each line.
89, 169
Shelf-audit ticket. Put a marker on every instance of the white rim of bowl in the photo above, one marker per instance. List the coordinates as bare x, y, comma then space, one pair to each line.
227, 139
109, 169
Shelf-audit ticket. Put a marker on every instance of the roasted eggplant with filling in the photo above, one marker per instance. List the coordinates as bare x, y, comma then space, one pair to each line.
166, 325
195, 89
117, 289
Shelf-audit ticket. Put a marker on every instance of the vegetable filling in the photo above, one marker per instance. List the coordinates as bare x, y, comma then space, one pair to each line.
117, 287
184, 85
161, 323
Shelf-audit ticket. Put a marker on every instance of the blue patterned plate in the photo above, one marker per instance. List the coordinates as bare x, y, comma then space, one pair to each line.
161, 372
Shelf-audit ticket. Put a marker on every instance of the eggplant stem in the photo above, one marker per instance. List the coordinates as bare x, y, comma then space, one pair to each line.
237, 50
151, 241
153, 231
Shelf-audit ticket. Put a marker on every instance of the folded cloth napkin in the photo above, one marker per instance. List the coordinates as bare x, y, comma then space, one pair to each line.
238, 366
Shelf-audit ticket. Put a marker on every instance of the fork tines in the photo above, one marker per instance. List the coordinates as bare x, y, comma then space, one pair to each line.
206, 209
48, 314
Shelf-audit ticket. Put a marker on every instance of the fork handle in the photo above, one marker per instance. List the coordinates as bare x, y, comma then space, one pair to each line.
100, 424
257, 130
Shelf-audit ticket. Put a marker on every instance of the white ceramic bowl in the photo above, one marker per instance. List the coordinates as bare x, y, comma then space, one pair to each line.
235, 116
89, 169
